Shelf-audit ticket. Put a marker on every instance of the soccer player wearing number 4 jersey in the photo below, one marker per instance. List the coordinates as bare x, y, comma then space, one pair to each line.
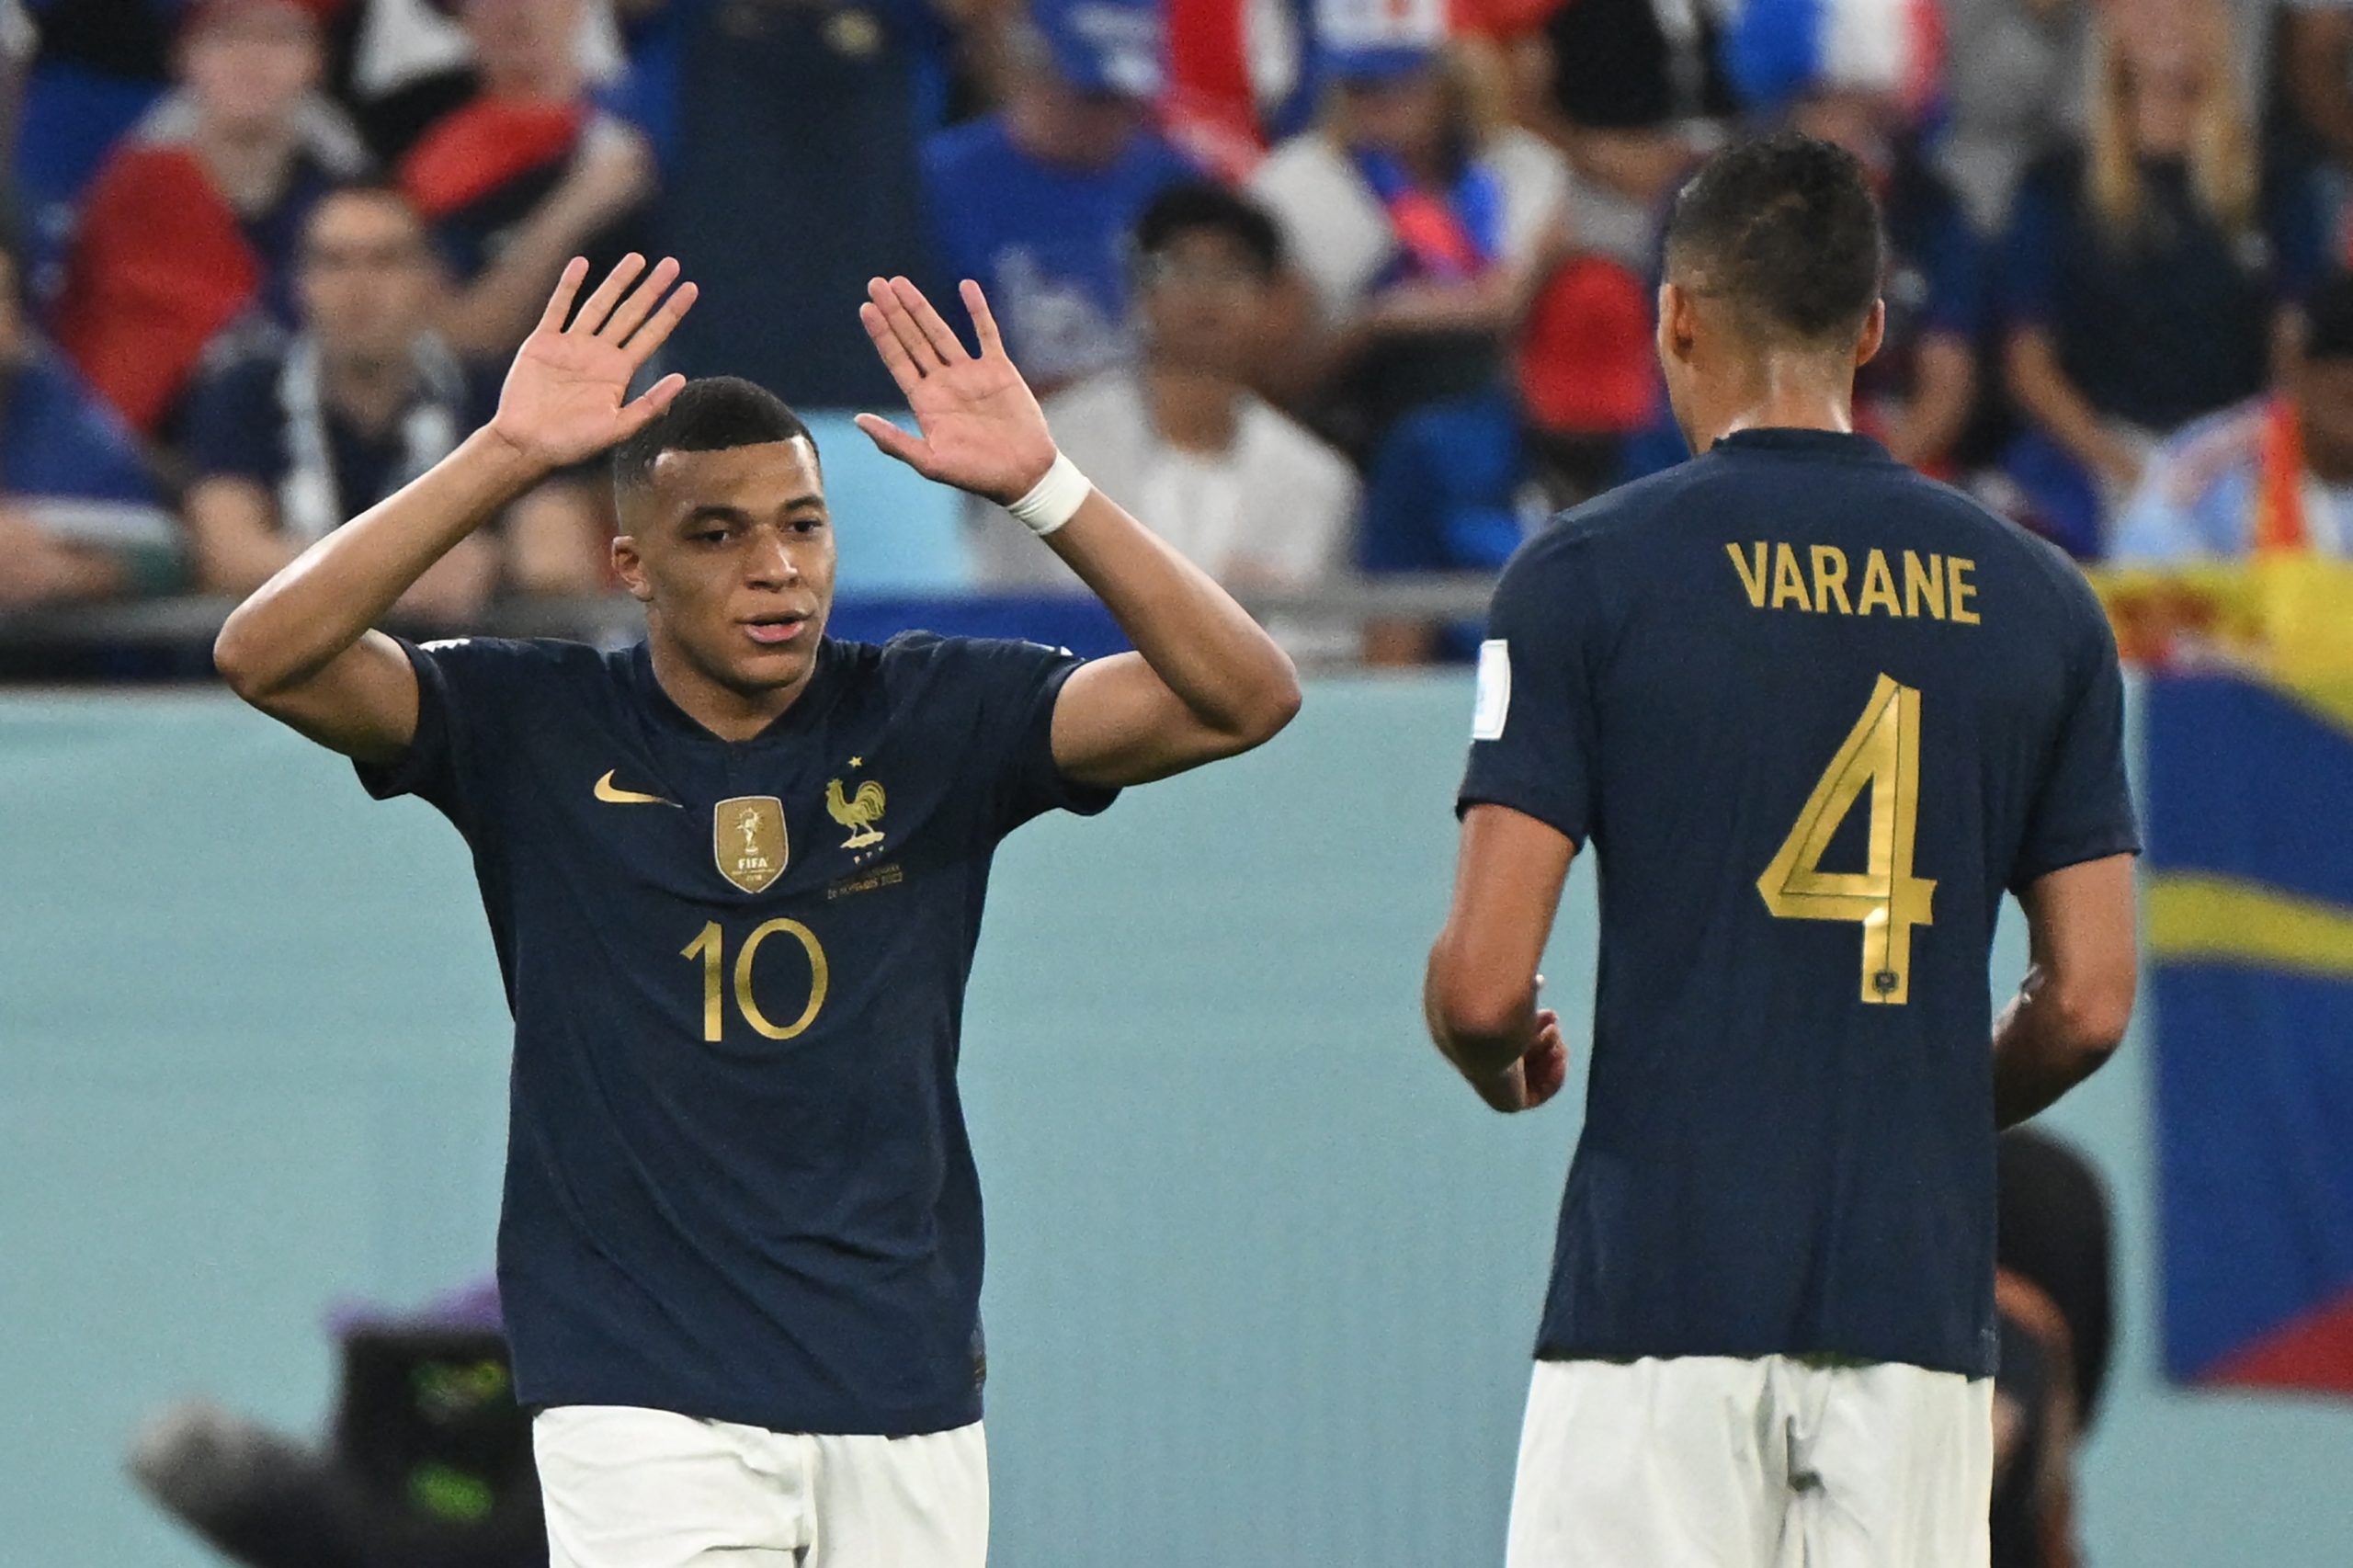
734, 878
1812, 714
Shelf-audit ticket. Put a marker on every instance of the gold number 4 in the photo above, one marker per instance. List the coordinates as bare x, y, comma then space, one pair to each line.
1883, 751
708, 947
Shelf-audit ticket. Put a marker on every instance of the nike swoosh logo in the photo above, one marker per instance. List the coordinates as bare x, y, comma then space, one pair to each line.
612, 796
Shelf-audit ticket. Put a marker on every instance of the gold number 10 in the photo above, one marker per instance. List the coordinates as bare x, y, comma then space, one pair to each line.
709, 947
1883, 751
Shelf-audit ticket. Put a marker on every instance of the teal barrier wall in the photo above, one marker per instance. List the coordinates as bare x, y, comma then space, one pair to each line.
1262, 1278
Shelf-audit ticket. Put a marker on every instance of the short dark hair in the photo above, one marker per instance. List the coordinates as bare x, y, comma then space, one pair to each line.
2328, 318
1192, 206
707, 415
1785, 228
365, 189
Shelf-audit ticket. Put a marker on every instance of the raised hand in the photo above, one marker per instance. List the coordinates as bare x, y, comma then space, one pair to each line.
566, 397
982, 428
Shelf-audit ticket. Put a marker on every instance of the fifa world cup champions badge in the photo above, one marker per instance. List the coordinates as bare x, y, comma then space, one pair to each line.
748, 840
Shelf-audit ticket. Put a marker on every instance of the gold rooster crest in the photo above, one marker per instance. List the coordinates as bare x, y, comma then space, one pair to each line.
858, 812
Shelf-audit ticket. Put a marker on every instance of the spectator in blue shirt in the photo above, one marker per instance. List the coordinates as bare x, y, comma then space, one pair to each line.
789, 138
79, 517
291, 442
2149, 274
1035, 201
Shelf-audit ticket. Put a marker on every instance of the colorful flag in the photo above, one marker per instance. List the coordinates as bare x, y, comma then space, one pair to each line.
2250, 933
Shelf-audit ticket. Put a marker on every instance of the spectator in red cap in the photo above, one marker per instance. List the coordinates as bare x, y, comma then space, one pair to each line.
1459, 485
192, 221
527, 176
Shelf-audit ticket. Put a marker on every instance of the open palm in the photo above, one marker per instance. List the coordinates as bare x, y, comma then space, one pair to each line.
566, 397
982, 428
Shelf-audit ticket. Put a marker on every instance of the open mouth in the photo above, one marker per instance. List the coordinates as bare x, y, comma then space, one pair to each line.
773, 631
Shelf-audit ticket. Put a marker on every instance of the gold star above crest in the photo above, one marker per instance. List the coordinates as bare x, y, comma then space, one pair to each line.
857, 762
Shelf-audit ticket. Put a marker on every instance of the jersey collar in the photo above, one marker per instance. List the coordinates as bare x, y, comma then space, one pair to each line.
824, 687
1804, 443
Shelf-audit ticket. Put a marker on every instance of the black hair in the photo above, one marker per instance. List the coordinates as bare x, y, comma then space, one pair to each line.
707, 415
2328, 318
1195, 205
1784, 228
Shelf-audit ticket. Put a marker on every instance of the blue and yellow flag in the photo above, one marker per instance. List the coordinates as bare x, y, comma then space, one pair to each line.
2250, 931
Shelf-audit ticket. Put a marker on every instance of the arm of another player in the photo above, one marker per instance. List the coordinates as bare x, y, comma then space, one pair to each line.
1479, 994
300, 648
2071, 1011
1205, 682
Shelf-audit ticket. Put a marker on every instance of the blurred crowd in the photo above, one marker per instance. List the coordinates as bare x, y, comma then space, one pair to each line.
1316, 286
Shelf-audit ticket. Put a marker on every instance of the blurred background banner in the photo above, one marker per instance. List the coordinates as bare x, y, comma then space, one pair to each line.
2250, 929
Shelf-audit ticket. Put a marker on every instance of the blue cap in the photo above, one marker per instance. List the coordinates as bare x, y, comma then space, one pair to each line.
1111, 47
1378, 62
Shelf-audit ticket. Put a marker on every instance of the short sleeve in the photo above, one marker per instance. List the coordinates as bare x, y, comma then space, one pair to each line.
1017, 686
234, 427
466, 689
2083, 805
1533, 726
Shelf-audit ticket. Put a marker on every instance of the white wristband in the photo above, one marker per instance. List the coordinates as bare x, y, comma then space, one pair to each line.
1053, 498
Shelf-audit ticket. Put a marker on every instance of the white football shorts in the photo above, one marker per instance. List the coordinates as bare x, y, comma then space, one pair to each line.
1706, 1461
631, 1488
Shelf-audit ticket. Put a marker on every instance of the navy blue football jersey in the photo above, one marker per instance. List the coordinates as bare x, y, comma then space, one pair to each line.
738, 1185
1812, 714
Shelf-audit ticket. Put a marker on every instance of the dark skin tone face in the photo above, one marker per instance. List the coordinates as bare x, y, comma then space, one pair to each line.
731, 553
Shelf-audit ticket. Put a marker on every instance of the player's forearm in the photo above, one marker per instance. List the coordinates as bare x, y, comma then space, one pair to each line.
1221, 665
1482, 1057
1480, 1029
331, 594
2050, 1038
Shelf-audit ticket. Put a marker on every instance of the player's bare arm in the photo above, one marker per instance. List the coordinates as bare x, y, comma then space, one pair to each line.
300, 649
2071, 1012
1479, 996
1205, 682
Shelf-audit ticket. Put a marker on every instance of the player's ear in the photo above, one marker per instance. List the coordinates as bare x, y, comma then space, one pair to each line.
1874, 334
1677, 322
629, 567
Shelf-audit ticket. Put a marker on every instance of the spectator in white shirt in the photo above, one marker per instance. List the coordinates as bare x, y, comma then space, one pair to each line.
1235, 485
